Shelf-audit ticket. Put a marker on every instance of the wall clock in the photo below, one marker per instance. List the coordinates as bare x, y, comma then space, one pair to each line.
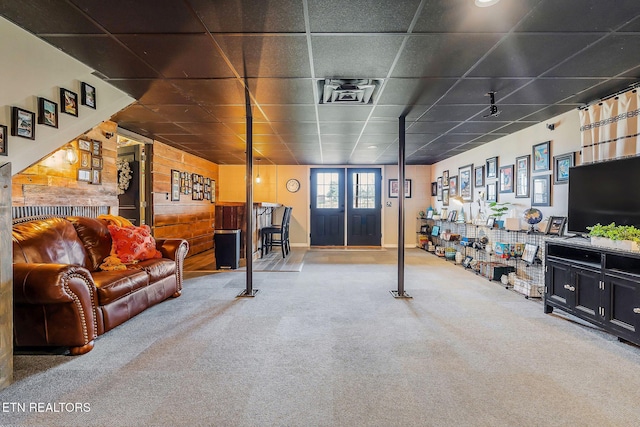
293, 185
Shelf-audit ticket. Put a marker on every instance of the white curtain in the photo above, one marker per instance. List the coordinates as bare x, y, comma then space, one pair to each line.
609, 129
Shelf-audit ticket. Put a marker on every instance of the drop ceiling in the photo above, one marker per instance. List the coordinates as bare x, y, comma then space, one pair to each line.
188, 63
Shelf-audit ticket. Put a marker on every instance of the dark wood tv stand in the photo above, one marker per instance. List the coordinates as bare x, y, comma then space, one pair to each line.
599, 285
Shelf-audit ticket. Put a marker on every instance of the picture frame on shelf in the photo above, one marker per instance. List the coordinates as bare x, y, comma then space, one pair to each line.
492, 192
478, 176
445, 197
68, 102
506, 179
445, 179
435, 231
522, 176
541, 190
23, 123
84, 144
434, 189
47, 112
491, 221
492, 167
424, 229
429, 214
393, 189
561, 166
84, 175
529, 253
453, 215
88, 95
453, 186
465, 182
555, 226
439, 189
4, 141
175, 185
540, 156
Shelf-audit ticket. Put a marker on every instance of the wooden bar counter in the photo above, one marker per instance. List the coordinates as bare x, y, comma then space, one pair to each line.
231, 216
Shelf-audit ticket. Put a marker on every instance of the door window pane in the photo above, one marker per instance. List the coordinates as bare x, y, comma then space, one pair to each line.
364, 190
327, 190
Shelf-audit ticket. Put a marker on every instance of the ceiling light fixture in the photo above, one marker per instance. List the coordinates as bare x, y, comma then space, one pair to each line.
486, 3
258, 176
70, 154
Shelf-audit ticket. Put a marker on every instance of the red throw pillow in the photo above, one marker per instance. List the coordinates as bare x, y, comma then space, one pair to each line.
132, 244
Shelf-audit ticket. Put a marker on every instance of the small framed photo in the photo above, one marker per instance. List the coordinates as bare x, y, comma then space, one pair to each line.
394, 190
492, 167
541, 187
439, 189
84, 144
541, 159
3, 141
96, 147
96, 162
555, 225
492, 192
529, 253
68, 102
466, 262
23, 123
85, 159
465, 182
47, 113
445, 197
506, 179
453, 186
88, 95
453, 215
84, 175
434, 189
561, 165
435, 231
213, 191
96, 176
522, 176
445, 179
478, 179
430, 214
175, 185
491, 222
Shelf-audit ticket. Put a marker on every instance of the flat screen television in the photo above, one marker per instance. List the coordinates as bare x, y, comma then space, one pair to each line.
603, 193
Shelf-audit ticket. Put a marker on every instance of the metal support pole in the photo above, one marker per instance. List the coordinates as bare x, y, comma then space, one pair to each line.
249, 291
400, 293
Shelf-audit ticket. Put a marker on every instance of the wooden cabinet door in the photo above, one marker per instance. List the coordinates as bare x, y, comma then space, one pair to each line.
559, 286
587, 293
622, 305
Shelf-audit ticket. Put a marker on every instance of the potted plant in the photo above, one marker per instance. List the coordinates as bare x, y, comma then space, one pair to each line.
625, 237
498, 210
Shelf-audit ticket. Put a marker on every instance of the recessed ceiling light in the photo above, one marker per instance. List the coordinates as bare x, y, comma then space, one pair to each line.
486, 3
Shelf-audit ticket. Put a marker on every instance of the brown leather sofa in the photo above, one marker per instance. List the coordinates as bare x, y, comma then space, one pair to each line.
63, 299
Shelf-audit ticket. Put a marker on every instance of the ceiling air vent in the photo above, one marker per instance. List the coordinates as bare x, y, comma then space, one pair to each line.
348, 91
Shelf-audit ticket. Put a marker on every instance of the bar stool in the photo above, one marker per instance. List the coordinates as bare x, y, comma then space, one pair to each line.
269, 235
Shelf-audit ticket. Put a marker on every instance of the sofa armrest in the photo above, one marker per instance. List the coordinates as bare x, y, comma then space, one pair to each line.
173, 249
55, 304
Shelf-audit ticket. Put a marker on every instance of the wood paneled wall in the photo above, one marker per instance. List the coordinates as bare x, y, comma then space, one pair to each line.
53, 181
188, 219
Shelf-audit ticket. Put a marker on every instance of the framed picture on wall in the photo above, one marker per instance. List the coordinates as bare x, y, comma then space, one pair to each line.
541, 159
84, 175
68, 102
478, 180
506, 179
465, 183
434, 189
541, 188
445, 179
394, 191
96, 176
85, 159
522, 176
47, 112
88, 95
3, 141
492, 193
445, 197
492, 167
213, 191
175, 185
84, 144
561, 165
23, 123
453, 186
439, 189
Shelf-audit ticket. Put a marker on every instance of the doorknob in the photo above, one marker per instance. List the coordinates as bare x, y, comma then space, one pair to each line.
636, 310
569, 287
